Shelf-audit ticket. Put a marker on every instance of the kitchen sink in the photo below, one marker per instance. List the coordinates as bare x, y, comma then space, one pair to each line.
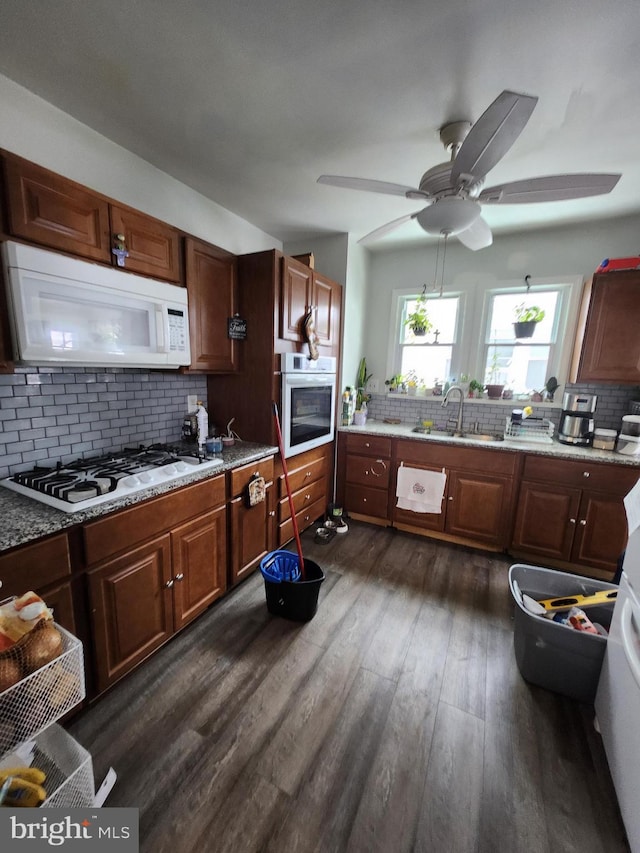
476, 436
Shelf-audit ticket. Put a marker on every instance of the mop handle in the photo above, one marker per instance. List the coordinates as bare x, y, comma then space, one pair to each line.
294, 520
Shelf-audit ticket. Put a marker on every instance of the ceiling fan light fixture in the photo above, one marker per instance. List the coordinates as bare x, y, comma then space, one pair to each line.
449, 215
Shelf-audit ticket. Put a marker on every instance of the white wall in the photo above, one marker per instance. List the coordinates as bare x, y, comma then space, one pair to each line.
575, 250
32, 128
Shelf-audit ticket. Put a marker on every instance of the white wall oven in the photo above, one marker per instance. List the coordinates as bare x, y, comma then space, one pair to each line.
308, 402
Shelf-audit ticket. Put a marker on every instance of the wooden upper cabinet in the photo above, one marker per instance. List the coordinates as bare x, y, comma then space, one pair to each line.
153, 246
611, 343
326, 300
303, 290
295, 297
53, 211
212, 282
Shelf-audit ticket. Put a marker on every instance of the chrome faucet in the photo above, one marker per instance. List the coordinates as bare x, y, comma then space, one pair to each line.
446, 400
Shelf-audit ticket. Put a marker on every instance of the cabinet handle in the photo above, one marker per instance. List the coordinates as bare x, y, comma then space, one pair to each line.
169, 584
307, 497
378, 462
306, 518
366, 444
366, 473
308, 474
583, 521
179, 576
272, 513
586, 474
364, 500
572, 521
450, 497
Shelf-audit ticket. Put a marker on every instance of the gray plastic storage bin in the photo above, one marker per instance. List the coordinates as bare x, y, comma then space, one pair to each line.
549, 654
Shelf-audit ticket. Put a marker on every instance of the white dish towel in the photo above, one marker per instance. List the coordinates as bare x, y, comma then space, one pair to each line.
419, 490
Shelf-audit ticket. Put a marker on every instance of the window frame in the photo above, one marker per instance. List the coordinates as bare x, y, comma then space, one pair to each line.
470, 351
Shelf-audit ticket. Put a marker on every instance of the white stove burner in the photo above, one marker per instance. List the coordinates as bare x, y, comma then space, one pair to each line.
85, 484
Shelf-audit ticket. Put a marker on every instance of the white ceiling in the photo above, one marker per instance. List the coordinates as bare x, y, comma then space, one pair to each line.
249, 102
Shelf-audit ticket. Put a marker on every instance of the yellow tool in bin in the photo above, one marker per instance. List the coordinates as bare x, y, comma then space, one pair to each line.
604, 596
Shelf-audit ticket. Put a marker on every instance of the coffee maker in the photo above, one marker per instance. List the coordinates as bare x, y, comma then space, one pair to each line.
576, 420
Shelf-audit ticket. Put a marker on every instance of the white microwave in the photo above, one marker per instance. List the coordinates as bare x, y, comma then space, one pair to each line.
66, 311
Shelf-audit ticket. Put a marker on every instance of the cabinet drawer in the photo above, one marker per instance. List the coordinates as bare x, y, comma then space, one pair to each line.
302, 498
367, 501
239, 477
615, 479
34, 566
442, 455
369, 445
305, 518
303, 476
120, 531
368, 471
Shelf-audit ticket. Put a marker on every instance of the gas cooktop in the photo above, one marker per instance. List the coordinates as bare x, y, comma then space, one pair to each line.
85, 483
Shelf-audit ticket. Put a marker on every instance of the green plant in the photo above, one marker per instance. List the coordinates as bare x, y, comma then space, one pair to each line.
418, 321
476, 387
493, 369
361, 384
394, 382
528, 313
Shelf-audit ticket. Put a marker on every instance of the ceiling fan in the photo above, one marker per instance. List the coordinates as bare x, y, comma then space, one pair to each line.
452, 191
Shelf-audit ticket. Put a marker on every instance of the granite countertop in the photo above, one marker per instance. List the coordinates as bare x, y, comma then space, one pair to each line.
23, 520
553, 448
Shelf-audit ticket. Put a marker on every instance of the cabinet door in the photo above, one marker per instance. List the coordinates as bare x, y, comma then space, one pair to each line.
546, 520
423, 520
326, 300
611, 344
131, 607
48, 209
153, 247
295, 298
251, 534
478, 507
601, 531
213, 298
59, 599
199, 555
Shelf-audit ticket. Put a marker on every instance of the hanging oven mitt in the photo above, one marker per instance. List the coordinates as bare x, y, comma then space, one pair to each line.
255, 490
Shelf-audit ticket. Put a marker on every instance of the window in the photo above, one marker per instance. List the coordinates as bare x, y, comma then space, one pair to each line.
432, 356
526, 364
472, 333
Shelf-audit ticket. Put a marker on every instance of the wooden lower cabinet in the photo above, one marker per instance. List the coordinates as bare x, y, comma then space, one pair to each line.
310, 476
251, 528
199, 562
132, 608
367, 465
572, 513
45, 568
142, 592
476, 507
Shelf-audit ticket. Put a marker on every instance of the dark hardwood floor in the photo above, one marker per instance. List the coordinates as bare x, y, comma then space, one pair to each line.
395, 720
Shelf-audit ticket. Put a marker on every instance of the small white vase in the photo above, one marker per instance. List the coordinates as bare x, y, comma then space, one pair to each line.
359, 418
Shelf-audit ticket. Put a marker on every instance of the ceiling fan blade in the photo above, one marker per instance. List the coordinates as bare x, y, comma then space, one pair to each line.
549, 188
492, 135
477, 236
386, 229
372, 186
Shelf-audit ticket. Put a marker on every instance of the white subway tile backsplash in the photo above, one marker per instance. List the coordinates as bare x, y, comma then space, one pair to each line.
55, 413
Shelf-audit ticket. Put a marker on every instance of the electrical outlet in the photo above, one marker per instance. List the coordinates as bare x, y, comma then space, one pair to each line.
372, 386
192, 402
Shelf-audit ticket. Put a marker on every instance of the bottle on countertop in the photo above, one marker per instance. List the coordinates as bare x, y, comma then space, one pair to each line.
202, 419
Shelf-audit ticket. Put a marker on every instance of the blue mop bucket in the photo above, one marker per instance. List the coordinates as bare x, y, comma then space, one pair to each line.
287, 595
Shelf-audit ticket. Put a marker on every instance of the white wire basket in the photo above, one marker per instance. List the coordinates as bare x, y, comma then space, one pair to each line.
68, 767
42, 697
531, 430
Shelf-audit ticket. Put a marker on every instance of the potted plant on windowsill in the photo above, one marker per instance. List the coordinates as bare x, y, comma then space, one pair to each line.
494, 390
418, 321
527, 317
